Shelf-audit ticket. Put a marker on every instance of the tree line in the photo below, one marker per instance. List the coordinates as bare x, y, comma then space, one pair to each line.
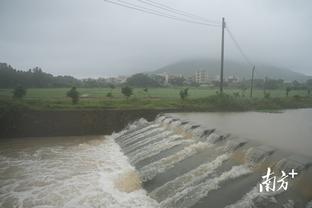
37, 78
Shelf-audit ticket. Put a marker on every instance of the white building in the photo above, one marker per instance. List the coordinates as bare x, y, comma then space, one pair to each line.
165, 76
201, 77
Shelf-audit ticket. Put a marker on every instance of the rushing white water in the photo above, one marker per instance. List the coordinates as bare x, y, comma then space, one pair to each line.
188, 179
141, 135
155, 148
248, 200
142, 142
92, 173
192, 194
150, 171
309, 204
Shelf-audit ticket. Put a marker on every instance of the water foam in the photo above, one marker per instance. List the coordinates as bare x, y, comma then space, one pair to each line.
254, 194
148, 172
188, 179
77, 175
130, 139
145, 141
156, 148
191, 195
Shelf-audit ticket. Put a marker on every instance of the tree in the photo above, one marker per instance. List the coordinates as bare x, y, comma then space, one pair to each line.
109, 95
142, 80
288, 89
74, 95
146, 91
19, 92
184, 93
295, 84
177, 81
126, 91
111, 86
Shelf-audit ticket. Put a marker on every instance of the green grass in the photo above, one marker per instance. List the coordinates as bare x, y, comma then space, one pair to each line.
154, 93
201, 98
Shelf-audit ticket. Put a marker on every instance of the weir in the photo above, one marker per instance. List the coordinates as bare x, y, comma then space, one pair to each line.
182, 164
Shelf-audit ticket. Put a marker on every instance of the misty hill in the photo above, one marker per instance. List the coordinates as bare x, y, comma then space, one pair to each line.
188, 67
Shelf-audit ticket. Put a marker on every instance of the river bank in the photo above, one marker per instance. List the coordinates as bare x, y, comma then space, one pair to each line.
23, 119
31, 123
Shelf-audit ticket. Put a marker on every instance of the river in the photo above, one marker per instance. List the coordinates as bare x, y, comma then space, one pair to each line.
290, 130
94, 171
67, 172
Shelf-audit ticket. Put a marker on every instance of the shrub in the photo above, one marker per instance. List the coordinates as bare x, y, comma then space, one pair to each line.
267, 95
19, 92
183, 93
126, 91
109, 95
74, 95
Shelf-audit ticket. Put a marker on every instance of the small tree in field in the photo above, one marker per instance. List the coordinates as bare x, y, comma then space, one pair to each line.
110, 94
19, 92
74, 95
288, 89
126, 91
146, 91
183, 93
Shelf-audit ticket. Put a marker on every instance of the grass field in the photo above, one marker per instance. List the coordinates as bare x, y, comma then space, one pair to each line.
164, 98
153, 93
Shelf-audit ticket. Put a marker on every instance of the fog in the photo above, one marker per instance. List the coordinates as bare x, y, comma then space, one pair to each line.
95, 38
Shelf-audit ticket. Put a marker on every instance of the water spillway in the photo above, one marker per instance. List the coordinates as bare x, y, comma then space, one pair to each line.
182, 164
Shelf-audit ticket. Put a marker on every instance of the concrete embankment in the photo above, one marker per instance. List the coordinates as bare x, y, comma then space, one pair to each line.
68, 123
182, 164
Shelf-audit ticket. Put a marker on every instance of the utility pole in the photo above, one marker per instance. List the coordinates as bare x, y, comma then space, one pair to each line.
222, 56
252, 79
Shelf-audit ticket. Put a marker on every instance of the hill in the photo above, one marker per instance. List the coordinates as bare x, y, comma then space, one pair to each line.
188, 67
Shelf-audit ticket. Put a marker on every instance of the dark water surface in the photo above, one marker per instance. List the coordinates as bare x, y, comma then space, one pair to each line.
290, 130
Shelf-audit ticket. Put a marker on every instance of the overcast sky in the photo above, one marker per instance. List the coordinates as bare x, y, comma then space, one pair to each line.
90, 38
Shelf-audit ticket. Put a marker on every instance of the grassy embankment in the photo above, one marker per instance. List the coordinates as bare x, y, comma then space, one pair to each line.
199, 99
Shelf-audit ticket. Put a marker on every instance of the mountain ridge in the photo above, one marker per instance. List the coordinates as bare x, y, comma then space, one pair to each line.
188, 68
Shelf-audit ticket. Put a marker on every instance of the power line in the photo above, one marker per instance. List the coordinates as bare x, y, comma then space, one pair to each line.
157, 13
176, 11
238, 46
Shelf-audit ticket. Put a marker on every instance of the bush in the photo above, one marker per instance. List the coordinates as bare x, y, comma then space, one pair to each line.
74, 95
126, 91
19, 92
267, 95
109, 95
183, 93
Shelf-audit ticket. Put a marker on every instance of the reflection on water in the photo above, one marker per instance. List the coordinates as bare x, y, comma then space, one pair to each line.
67, 172
290, 130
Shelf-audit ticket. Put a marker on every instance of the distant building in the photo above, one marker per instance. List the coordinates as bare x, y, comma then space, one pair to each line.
232, 79
117, 80
165, 77
201, 77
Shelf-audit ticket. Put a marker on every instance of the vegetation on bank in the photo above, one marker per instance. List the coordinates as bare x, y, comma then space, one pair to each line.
196, 99
37, 90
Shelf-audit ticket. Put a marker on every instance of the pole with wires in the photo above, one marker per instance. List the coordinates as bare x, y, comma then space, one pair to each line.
222, 56
252, 79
